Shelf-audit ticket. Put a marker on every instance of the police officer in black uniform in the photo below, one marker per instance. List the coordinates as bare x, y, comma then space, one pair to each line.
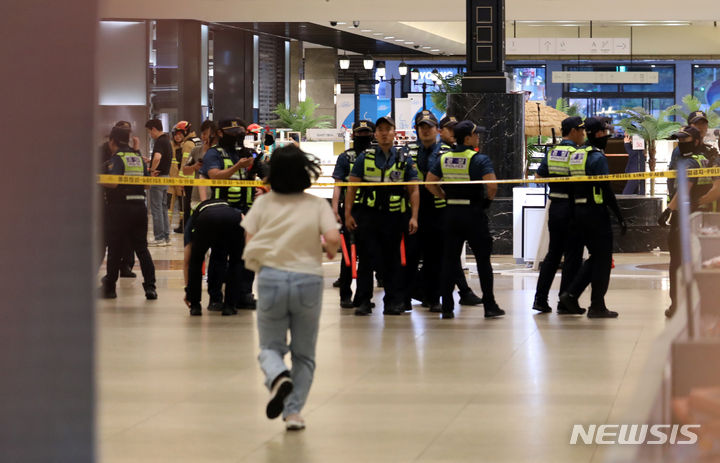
703, 192
362, 134
699, 121
226, 161
465, 217
380, 221
557, 163
127, 216
214, 225
593, 202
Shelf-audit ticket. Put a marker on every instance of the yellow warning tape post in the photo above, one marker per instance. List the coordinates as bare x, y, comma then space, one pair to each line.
178, 181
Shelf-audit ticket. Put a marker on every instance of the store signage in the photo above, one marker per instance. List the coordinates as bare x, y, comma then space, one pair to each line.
324, 135
596, 77
568, 46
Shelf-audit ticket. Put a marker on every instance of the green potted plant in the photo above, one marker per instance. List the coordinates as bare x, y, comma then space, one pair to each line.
563, 105
641, 123
450, 84
301, 118
693, 104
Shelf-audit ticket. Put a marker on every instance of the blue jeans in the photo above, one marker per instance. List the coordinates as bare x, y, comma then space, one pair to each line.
289, 301
159, 211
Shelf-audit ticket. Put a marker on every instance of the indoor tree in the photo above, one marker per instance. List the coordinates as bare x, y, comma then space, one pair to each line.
450, 84
301, 118
563, 105
641, 123
693, 103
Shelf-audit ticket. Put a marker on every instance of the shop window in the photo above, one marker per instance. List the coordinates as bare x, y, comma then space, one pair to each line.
706, 83
529, 79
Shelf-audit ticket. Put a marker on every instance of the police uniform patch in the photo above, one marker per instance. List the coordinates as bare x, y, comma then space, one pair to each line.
133, 161
455, 163
559, 155
395, 175
577, 158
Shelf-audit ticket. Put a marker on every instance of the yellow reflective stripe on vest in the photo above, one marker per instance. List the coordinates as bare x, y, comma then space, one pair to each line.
565, 160
133, 164
455, 167
371, 173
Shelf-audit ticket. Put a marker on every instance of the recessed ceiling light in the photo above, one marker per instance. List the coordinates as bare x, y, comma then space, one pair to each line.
409, 43
341, 23
435, 49
427, 48
366, 30
389, 37
377, 33
399, 40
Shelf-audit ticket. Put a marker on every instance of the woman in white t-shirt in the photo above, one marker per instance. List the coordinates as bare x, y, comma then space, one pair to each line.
283, 246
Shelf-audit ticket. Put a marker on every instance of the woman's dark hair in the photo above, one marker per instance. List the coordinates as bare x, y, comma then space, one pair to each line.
292, 170
120, 135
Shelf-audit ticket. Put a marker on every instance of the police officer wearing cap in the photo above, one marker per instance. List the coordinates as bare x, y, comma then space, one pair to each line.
593, 203
381, 219
564, 160
465, 217
127, 215
446, 126
703, 192
225, 161
699, 121
362, 135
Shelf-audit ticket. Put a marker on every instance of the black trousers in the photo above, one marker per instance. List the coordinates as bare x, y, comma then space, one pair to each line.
564, 241
186, 205
466, 223
217, 228
128, 260
378, 236
127, 228
345, 270
218, 268
595, 233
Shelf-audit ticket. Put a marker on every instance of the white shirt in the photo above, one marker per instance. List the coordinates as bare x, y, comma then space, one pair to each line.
286, 231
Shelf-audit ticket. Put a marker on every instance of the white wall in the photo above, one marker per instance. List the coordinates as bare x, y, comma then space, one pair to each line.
122, 64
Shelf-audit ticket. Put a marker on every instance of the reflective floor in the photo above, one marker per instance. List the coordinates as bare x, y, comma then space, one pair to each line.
387, 389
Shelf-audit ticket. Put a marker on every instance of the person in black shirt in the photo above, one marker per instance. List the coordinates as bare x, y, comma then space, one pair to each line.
161, 160
127, 216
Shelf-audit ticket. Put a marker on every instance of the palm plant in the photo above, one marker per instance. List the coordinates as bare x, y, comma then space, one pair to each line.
641, 123
693, 103
301, 117
563, 105
450, 84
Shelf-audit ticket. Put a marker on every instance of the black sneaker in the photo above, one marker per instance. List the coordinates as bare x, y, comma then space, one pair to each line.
363, 309
493, 311
336, 283
150, 293
215, 306
601, 312
346, 304
447, 315
394, 309
436, 308
125, 272
470, 298
195, 310
541, 305
179, 229
282, 387
228, 310
247, 302
407, 307
107, 293
568, 305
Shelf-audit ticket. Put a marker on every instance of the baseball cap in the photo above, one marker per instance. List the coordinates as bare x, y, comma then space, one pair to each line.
386, 119
697, 116
448, 121
233, 125
685, 132
464, 128
570, 123
363, 125
426, 117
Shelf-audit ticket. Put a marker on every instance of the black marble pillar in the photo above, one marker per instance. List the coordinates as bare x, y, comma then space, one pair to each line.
502, 115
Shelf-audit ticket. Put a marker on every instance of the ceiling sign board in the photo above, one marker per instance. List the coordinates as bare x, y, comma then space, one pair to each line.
568, 46
580, 77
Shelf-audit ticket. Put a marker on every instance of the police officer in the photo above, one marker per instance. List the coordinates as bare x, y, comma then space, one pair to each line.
224, 161
565, 159
593, 200
465, 217
467, 296
127, 216
362, 134
703, 192
699, 121
380, 221
214, 225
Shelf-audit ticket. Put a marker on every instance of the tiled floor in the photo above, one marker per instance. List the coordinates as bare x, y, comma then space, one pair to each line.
387, 389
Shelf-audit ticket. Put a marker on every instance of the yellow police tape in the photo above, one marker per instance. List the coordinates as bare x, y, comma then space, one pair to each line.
179, 181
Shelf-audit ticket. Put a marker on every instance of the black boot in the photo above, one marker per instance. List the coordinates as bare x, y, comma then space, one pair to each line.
228, 309
195, 309
150, 293
470, 298
600, 311
492, 310
126, 272
541, 305
346, 303
568, 305
108, 291
246, 302
363, 309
